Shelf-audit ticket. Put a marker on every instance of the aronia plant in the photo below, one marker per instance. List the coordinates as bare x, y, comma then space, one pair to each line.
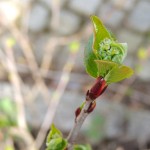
103, 59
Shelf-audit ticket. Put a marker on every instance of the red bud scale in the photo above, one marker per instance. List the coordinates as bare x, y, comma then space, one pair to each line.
91, 107
77, 112
98, 88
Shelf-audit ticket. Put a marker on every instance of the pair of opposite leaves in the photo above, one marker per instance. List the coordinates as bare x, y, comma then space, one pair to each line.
55, 141
109, 70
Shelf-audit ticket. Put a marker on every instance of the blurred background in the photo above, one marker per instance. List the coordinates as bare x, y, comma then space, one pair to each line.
43, 79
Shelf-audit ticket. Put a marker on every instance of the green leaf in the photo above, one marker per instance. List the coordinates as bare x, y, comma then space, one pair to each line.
118, 73
100, 32
104, 67
82, 147
55, 140
103, 56
89, 57
113, 72
57, 144
54, 133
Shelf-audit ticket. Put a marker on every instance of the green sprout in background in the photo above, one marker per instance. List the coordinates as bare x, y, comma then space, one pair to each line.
103, 59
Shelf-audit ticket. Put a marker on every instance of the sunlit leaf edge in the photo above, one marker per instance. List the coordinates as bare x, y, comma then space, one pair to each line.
119, 73
100, 33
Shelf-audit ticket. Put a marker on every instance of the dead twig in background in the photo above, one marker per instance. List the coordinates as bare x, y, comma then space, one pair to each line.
16, 83
55, 7
27, 50
64, 79
25, 136
10, 65
48, 55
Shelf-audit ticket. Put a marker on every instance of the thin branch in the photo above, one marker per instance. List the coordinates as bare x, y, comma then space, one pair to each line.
27, 50
24, 135
55, 7
9, 63
16, 83
55, 74
48, 55
88, 106
78, 123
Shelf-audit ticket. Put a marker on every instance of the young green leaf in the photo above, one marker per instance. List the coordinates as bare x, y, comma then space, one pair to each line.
100, 32
54, 133
103, 55
57, 144
113, 72
89, 58
82, 147
118, 73
104, 67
